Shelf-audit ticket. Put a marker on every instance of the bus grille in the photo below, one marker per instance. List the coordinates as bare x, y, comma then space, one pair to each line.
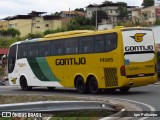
111, 78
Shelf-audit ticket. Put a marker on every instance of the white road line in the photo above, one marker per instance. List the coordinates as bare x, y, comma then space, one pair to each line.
147, 105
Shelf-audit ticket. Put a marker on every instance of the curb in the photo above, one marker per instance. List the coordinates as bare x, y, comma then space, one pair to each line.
157, 83
116, 116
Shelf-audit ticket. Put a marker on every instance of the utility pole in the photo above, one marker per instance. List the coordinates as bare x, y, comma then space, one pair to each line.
96, 19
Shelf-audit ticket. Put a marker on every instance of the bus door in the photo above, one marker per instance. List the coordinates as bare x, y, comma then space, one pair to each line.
12, 72
139, 52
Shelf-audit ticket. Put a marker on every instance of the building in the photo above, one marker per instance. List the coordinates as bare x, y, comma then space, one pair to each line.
149, 14
71, 14
110, 8
67, 16
34, 22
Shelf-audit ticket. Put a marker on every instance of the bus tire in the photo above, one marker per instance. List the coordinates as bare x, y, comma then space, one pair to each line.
81, 85
93, 85
24, 84
124, 90
51, 88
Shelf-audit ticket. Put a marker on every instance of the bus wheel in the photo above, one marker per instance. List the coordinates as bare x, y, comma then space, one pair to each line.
24, 85
80, 85
51, 88
124, 90
93, 86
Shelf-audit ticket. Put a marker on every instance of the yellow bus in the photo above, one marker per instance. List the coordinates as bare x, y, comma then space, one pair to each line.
89, 61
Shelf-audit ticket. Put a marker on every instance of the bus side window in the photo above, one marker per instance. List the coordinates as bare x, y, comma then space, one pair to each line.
22, 51
86, 44
57, 47
44, 49
33, 49
71, 46
110, 41
99, 43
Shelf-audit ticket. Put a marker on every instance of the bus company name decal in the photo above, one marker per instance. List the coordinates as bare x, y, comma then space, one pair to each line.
139, 48
71, 61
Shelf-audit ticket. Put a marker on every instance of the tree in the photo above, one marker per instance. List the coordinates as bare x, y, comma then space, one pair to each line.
56, 14
122, 10
13, 32
80, 23
147, 3
100, 16
157, 22
54, 31
79, 9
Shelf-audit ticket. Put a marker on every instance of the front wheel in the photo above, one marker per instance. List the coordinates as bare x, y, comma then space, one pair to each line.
24, 84
93, 86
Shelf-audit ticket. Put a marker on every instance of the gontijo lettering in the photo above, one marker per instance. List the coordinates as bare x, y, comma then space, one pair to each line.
71, 61
139, 48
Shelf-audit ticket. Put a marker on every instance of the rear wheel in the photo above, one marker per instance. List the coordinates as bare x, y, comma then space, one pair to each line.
80, 85
93, 85
24, 84
51, 88
124, 90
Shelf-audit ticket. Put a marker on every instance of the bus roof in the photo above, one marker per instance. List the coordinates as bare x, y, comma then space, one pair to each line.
75, 32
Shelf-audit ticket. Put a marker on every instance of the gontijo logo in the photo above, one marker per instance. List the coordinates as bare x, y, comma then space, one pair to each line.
138, 37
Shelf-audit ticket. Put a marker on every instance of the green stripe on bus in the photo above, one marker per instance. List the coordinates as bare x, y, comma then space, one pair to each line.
36, 69
43, 64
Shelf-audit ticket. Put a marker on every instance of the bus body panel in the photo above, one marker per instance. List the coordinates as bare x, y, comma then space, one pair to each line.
139, 52
134, 50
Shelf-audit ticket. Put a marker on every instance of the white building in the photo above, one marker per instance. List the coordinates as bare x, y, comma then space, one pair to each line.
149, 14
110, 8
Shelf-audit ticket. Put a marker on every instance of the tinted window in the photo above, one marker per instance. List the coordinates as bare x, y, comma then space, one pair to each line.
71, 46
32, 49
44, 48
110, 41
99, 43
12, 58
57, 47
86, 44
22, 51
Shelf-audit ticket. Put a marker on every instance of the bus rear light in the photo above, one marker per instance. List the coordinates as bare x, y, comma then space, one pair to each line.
123, 71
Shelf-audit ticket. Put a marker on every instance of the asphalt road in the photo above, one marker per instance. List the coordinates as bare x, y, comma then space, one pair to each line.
147, 97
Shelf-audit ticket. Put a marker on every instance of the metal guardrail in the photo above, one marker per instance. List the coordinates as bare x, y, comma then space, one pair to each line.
55, 106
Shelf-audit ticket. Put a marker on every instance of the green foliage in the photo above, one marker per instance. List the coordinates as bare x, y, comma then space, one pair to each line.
147, 3
35, 35
100, 16
122, 11
79, 9
54, 31
56, 14
5, 43
10, 31
80, 23
13, 32
157, 22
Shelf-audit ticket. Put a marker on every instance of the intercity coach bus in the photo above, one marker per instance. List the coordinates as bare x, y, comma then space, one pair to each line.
87, 60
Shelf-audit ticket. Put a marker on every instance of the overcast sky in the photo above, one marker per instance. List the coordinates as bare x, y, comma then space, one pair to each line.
23, 7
